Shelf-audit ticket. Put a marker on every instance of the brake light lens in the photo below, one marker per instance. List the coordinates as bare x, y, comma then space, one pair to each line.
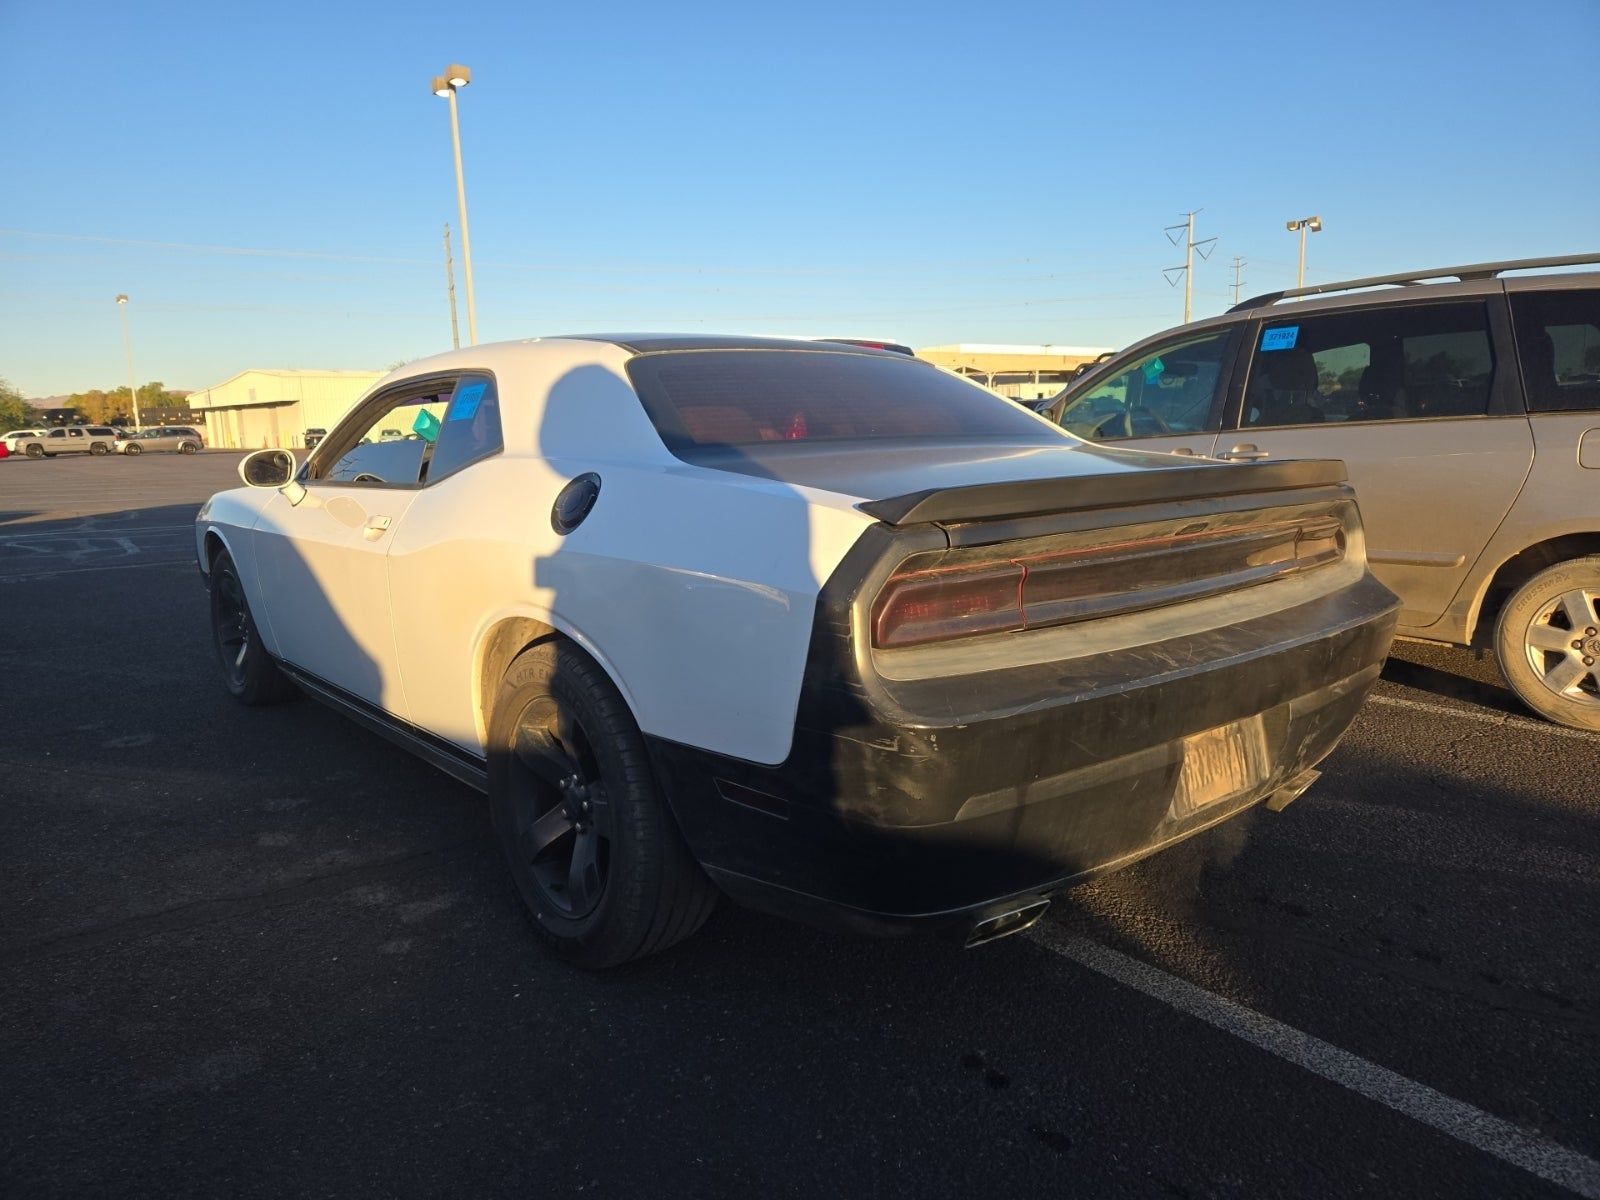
963, 593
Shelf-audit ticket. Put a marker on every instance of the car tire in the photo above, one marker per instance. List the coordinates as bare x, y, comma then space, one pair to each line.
599, 862
130, 448
1547, 641
34, 451
99, 448
248, 671
188, 448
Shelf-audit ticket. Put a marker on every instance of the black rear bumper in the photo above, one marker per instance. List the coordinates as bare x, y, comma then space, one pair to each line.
935, 802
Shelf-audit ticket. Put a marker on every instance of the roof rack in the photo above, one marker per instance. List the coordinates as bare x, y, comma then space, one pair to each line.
1471, 271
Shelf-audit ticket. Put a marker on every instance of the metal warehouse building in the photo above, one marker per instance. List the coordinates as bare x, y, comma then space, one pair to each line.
1020, 372
275, 408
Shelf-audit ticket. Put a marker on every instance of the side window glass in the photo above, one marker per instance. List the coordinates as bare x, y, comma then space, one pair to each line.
1172, 390
1387, 364
393, 447
58, 433
471, 427
1558, 340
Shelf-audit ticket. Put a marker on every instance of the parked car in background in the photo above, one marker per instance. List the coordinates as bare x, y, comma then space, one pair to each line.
16, 441
826, 628
1468, 414
181, 440
72, 439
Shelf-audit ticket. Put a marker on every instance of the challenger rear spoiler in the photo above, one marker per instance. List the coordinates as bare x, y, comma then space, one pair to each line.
1040, 497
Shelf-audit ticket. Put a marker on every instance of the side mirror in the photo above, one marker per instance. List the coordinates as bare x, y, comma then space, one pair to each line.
272, 469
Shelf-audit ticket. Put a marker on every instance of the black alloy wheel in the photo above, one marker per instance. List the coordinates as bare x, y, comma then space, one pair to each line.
597, 859
561, 816
248, 671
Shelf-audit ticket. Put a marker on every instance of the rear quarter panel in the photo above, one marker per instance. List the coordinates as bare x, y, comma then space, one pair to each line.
1561, 496
695, 590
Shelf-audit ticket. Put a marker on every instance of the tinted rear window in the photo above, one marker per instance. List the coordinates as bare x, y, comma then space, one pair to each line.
744, 397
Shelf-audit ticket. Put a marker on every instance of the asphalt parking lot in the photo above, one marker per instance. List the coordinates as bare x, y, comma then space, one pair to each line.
263, 952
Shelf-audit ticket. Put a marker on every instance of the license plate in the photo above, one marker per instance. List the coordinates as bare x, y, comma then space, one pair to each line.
1220, 764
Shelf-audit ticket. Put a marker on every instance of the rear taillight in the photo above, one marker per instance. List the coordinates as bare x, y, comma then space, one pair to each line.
961, 593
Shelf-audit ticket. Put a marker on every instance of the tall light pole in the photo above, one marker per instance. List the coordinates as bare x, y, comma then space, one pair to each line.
454, 78
450, 289
1303, 225
127, 349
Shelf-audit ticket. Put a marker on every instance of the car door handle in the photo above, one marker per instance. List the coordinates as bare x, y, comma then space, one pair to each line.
375, 528
1244, 452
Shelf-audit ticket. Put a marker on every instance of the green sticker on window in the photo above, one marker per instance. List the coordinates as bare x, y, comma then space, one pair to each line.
1153, 370
426, 426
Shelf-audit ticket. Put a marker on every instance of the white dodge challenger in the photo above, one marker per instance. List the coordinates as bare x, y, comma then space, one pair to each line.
815, 625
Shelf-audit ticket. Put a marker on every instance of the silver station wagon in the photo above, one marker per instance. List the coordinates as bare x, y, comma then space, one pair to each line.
1465, 403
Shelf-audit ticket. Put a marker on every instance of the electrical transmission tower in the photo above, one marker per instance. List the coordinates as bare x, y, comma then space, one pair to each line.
1238, 277
1189, 248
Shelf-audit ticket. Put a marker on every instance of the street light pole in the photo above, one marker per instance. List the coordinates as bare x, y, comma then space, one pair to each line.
127, 349
450, 290
1304, 225
454, 78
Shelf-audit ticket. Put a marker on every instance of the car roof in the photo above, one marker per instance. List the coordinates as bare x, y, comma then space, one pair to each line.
661, 343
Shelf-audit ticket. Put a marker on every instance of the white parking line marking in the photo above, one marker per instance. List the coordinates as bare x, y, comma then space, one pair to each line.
28, 576
1472, 1126
1492, 718
93, 531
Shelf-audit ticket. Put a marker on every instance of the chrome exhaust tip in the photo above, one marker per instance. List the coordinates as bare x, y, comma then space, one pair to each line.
1003, 924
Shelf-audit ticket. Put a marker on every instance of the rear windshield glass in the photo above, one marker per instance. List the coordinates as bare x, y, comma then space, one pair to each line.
708, 398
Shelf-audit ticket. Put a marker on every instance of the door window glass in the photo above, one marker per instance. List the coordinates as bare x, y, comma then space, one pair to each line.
393, 447
1171, 390
1558, 340
1386, 364
470, 429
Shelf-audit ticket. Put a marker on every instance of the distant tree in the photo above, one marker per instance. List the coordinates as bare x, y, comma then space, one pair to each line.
15, 412
103, 407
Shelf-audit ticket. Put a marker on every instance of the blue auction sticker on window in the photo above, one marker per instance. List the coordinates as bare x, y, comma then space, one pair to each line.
1153, 370
465, 406
1281, 338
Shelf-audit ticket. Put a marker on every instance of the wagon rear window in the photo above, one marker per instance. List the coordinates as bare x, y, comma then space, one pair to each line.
743, 397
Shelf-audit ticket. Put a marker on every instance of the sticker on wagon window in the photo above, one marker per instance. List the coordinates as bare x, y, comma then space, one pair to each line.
465, 406
1282, 338
1153, 370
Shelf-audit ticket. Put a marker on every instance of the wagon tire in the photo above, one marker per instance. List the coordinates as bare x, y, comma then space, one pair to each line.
34, 451
188, 448
100, 448
130, 448
248, 671
593, 850
1547, 642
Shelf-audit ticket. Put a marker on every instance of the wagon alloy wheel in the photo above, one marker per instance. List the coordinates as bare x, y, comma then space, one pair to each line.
35, 451
1563, 646
132, 449
562, 817
1547, 642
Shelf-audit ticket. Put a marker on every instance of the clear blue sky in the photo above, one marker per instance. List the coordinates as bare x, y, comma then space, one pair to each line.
929, 172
